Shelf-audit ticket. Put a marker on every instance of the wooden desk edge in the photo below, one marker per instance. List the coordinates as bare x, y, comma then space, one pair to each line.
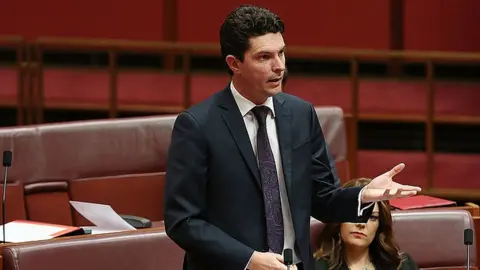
91, 236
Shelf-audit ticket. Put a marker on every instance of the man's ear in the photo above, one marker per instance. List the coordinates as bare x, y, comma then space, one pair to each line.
233, 63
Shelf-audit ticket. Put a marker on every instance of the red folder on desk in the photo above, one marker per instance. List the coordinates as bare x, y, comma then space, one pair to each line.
18, 231
419, 201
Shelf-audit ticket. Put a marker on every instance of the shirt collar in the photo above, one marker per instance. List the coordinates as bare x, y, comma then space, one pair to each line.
246, 105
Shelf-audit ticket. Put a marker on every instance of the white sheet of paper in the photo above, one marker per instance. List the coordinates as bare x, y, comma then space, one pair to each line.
16, 232
101, 215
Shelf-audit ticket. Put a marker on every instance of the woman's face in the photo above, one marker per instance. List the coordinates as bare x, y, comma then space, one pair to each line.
360, 235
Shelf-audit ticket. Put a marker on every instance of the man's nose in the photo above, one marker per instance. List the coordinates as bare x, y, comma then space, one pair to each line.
279, 64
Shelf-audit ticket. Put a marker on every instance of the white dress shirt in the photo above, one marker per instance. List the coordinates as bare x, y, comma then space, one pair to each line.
245, 106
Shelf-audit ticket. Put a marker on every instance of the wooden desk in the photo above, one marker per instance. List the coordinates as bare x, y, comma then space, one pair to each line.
473, 209
476, 224
470, 207
89, 236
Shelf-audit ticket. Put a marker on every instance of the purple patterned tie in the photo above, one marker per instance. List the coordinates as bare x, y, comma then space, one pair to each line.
270, 186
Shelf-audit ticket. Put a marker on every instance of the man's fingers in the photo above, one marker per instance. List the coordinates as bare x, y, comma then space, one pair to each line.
396, 170
279, 264
390, 193
411, 188
279, 257
393, 192
408, 193
399, 193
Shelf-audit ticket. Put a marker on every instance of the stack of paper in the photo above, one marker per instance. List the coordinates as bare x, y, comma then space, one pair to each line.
24, 231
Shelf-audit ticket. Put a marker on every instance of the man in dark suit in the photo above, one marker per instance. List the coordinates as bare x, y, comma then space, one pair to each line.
248, 166
336, 178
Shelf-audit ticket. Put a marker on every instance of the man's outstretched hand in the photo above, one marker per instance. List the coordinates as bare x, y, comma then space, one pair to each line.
383, 187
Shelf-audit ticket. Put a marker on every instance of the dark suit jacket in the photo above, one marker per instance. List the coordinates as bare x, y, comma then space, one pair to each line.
213, 199
407, 264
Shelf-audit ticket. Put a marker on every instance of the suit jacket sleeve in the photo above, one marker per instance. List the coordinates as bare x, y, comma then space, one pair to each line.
186, 199
336, 178
330, 203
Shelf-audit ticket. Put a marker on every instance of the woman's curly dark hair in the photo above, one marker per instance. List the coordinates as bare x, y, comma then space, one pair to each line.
384, 250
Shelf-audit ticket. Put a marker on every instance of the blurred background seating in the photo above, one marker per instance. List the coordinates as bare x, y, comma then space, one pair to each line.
405, 73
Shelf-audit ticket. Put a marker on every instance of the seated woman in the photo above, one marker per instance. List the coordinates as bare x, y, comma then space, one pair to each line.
362, 246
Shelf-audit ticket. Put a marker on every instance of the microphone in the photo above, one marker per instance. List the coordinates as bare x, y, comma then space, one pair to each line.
7, 162
468, 241
288, 257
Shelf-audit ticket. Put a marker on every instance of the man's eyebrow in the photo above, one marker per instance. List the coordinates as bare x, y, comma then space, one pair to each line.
267, 52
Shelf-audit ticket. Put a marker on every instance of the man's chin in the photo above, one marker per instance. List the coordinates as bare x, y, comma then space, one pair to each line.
274, 91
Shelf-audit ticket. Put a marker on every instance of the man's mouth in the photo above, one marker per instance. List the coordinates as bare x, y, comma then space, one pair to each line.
275, 79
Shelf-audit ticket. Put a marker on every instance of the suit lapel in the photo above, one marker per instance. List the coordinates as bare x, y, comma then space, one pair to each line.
234, 121
284, 133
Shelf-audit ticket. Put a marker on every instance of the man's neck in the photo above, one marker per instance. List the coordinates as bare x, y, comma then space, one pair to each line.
240, 87
358, 258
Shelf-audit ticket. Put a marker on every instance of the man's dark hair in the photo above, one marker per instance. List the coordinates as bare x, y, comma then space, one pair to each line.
243, 23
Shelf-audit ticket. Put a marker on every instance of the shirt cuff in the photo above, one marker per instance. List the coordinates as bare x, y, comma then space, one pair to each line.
246, 267
360, 209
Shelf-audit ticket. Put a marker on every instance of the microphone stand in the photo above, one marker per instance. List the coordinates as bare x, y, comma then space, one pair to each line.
468, 257
468, 241
3, 201
7, 162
